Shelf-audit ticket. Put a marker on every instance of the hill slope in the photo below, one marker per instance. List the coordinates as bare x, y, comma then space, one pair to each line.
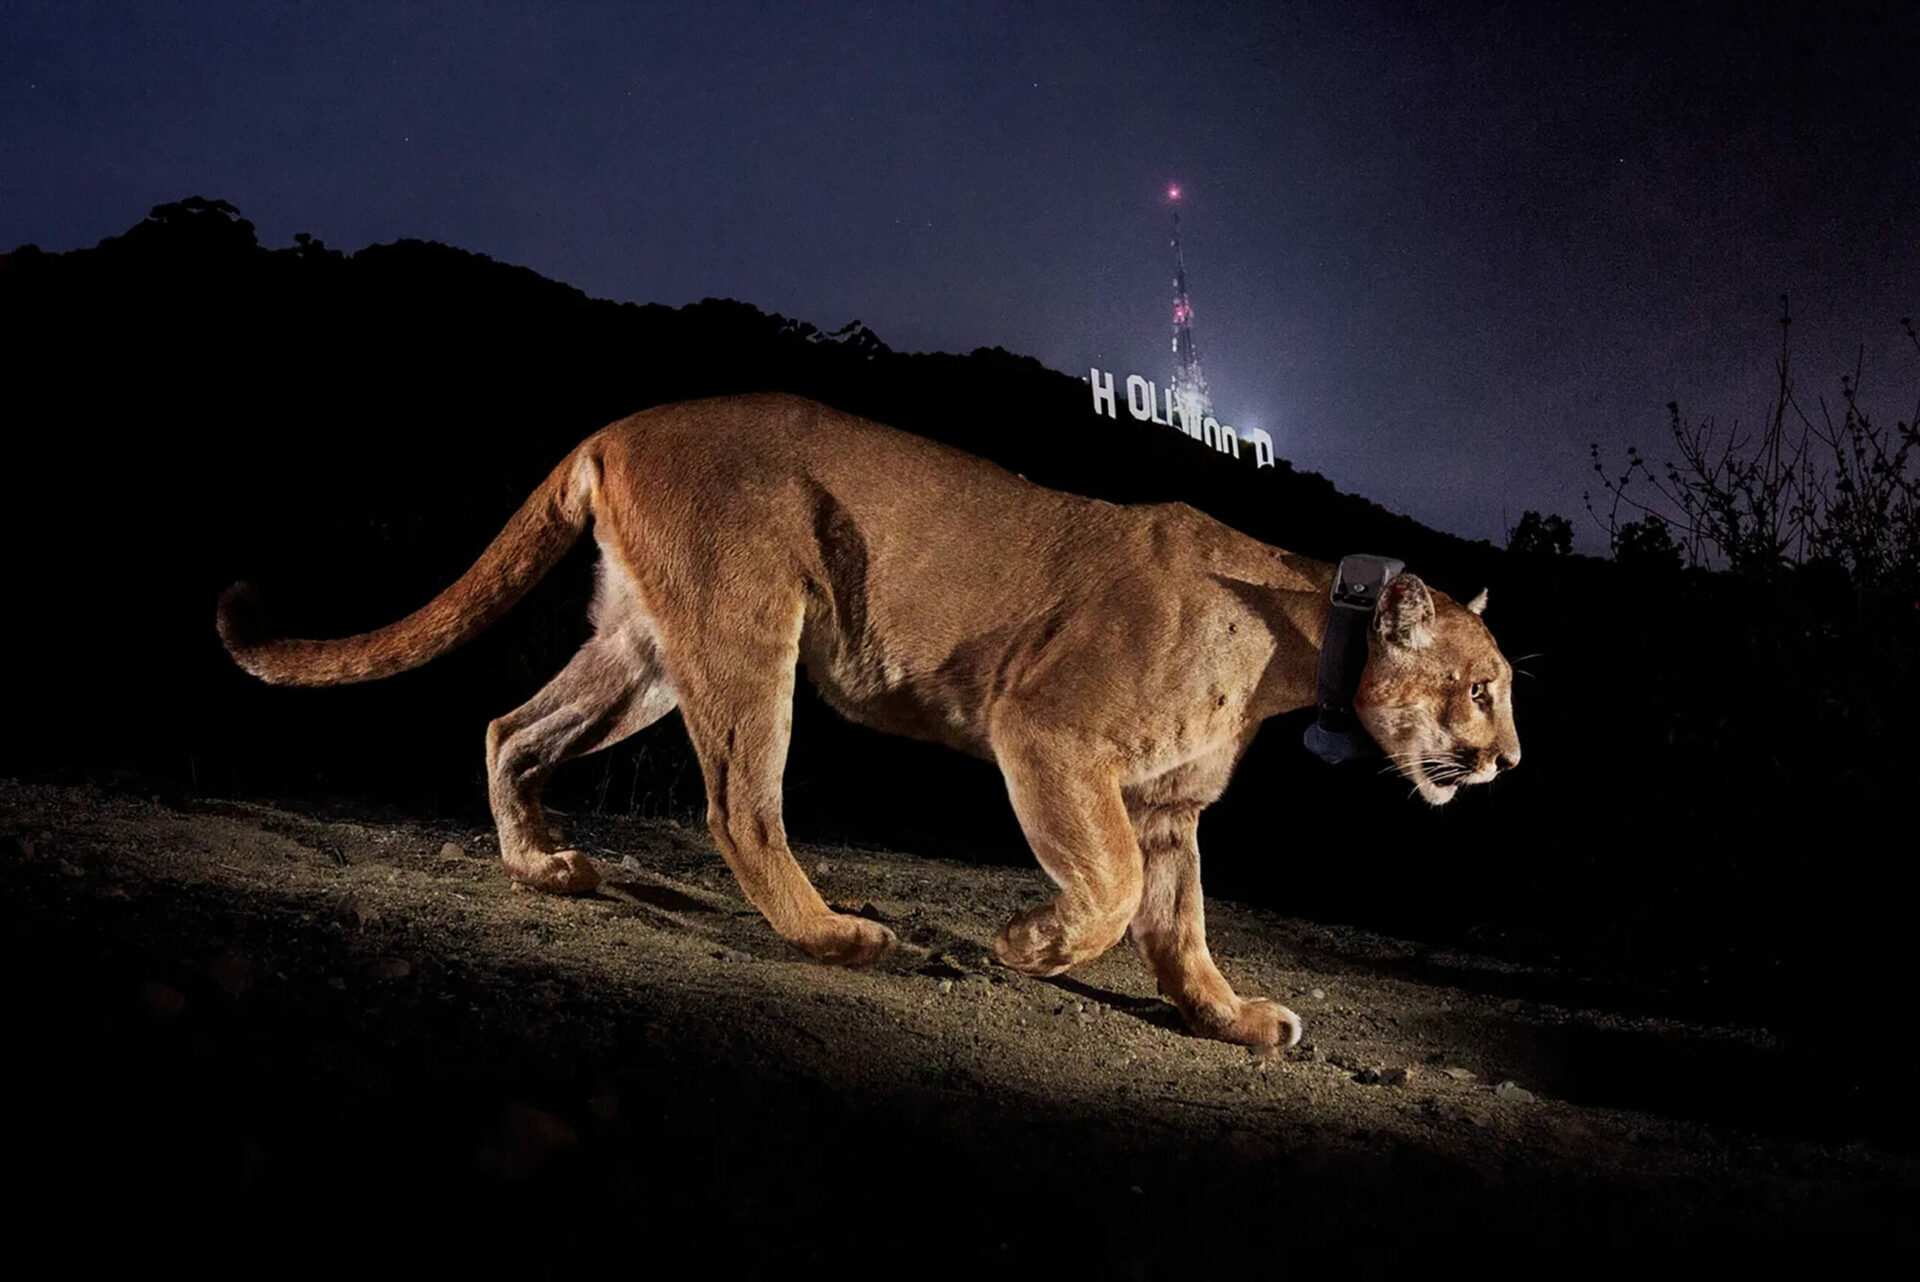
345, 1019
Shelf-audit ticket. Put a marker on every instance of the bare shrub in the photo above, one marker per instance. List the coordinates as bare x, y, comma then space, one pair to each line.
1804, 487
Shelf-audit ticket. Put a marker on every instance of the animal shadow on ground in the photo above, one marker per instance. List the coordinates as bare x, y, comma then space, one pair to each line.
1148, 1010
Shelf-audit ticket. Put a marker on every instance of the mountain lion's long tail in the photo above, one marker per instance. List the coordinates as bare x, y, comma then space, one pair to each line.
547, 524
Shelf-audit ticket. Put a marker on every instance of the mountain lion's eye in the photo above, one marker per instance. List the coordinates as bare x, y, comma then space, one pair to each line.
1479, 692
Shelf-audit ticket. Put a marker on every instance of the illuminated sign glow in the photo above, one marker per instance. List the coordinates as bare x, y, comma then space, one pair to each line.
1150, 404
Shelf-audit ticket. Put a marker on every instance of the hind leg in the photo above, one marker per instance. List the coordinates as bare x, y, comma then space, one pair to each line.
612, 688
737, 701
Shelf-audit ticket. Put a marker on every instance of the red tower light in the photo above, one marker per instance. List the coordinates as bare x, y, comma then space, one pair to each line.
1188, 383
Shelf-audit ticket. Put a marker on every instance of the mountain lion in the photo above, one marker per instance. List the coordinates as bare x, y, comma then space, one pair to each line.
1113, 661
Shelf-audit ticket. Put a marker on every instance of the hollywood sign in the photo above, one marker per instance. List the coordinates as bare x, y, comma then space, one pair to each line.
1152, 405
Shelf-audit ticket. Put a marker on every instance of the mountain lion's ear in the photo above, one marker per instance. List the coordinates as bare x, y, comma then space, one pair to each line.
1404, 612
1479, 604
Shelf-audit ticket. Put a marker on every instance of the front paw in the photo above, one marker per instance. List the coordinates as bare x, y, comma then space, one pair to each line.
567, 873
844, 940
1254, 1022
1031, 943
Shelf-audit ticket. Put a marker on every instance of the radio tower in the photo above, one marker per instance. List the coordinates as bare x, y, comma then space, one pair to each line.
1189, 383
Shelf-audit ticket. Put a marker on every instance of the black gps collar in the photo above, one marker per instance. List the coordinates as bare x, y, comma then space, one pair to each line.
1336, 735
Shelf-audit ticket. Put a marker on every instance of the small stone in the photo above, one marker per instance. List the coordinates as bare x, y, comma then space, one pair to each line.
604, 1104
1460, 1074
1514, 1092
823, 868
946, 985
358, 913
392, 968
528, 1139
733, 955
163, 1002
629, 864
1396, 1076
1511, 1006
233, 973
1318, 994
452, 850
1575, 1130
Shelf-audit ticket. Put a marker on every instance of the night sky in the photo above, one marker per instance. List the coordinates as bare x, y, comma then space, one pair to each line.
1434, 250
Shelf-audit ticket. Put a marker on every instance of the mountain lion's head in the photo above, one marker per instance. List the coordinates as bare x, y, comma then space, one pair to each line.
1437, 694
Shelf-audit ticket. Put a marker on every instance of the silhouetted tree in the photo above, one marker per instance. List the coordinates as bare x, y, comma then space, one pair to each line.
1538, 535
306, 245
197, 223
1645, 545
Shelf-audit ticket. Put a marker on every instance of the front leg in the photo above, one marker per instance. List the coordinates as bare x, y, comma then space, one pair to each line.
1069, 805
1170, 931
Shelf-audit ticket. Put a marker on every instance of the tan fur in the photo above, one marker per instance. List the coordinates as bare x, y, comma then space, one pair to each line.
1427, 658
1113, 661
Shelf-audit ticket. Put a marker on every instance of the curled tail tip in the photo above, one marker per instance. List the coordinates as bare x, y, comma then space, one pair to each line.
241, 623
238, 616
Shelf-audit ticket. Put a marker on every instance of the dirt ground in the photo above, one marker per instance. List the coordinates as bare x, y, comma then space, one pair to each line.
257, 1038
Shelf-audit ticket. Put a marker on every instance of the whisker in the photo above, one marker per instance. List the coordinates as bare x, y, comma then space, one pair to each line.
1426, 764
